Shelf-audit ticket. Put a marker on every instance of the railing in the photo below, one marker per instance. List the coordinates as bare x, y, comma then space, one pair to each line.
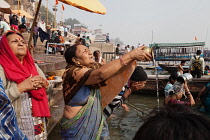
109, 56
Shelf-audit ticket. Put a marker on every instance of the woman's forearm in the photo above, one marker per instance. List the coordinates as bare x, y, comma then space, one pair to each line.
190, 99
110, 69
117, 66
189, 95
124, 68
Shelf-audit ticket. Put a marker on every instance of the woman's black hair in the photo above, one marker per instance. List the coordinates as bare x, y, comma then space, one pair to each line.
207, 67
174, 122
70, 53
95, 52
173, 76
10, 33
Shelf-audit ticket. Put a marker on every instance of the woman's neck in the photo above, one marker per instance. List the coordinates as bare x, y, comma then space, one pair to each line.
20, 59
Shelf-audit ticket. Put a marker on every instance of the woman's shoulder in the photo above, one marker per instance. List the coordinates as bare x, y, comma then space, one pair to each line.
76, 72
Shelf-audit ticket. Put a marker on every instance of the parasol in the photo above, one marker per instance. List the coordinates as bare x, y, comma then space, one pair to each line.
22, 13
5, 7
93, 6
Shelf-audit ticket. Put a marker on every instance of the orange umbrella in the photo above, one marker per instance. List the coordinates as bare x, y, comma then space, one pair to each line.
88, 5
22, 13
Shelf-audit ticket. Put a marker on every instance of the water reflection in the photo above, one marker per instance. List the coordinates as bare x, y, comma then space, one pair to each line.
123, 125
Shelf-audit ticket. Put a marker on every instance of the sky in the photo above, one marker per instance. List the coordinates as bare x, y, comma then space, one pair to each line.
148, 21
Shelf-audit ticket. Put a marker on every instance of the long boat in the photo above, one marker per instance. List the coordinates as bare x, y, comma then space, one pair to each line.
176, 51
171, 67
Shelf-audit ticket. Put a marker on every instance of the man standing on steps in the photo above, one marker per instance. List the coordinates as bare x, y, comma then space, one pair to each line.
117, 52
35, 36
197, 65
107, 38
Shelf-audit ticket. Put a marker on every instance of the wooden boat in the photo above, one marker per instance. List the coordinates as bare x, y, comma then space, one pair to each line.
163, 65
171, 67
174, 68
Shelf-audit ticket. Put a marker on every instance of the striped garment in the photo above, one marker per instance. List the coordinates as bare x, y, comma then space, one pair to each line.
116, 103
9, 129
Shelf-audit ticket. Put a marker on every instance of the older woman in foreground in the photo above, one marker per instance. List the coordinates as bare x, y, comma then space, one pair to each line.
83, 117
25, 85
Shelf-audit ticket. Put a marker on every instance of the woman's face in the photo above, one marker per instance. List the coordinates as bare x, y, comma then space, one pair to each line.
179, 95
84, 56
17, 45
97, 55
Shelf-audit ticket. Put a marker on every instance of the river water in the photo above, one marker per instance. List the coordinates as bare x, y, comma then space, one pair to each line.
124, 124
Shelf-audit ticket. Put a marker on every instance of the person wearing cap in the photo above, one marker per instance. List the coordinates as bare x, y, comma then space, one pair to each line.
136, 82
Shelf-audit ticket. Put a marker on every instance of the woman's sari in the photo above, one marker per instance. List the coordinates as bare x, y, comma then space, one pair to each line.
9, 129
88, 122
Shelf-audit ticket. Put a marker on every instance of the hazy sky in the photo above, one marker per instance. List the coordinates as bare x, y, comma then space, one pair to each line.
134, 20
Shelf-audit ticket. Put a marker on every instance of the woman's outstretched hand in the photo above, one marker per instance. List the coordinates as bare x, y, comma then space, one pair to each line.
140, 54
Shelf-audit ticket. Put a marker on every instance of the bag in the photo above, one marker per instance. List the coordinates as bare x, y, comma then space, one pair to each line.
196, 65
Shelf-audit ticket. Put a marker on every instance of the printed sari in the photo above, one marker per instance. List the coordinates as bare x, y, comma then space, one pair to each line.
9, 129
88, 123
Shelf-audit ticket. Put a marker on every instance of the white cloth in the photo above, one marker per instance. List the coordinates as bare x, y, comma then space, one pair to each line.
5, 26
100, 58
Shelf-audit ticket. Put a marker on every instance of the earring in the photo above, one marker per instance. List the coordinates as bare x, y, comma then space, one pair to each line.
78, 62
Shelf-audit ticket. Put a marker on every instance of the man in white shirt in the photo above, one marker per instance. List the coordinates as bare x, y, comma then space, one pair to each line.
4, 27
